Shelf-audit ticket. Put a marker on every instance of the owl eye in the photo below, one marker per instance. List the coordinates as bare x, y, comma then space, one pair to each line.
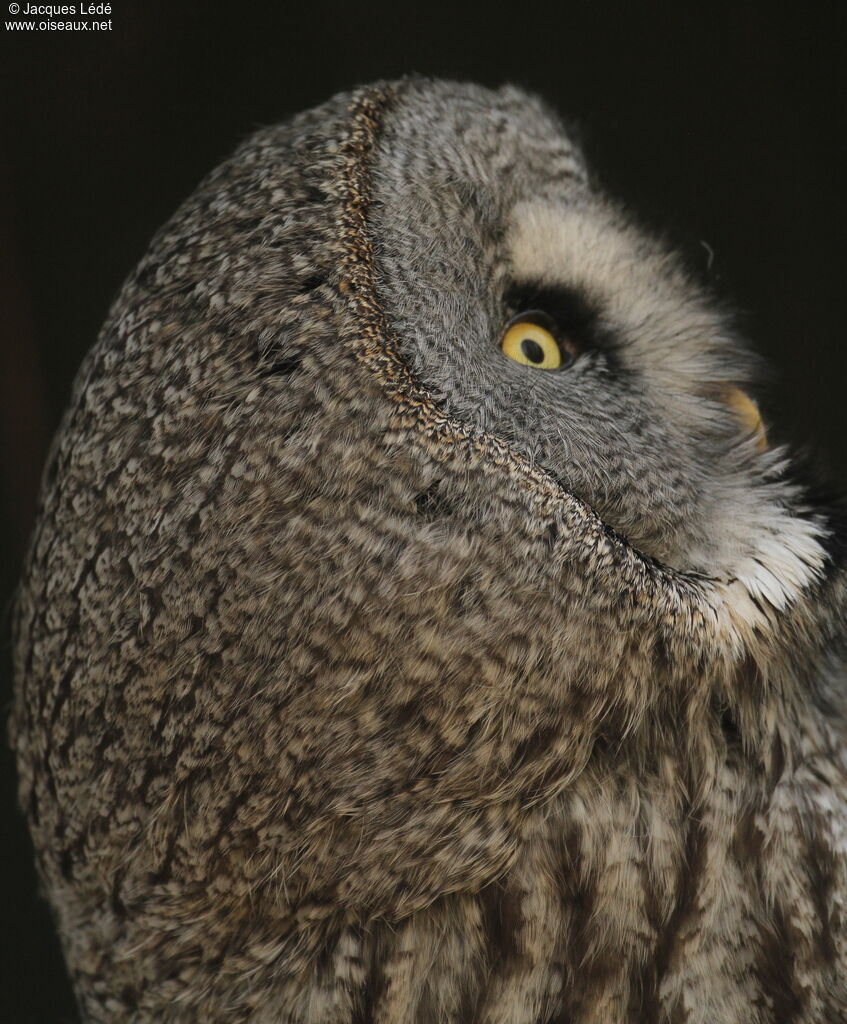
529, 343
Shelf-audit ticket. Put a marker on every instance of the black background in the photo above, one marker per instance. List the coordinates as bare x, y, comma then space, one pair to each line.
722, 129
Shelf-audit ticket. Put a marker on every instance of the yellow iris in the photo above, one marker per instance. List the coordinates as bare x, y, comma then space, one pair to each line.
531, 345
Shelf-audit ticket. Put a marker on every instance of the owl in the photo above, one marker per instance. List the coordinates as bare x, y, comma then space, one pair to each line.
419, 626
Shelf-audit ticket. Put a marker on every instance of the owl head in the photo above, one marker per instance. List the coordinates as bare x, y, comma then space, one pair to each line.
533, 307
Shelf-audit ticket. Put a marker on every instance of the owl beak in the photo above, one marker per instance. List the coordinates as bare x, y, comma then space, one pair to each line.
747, 413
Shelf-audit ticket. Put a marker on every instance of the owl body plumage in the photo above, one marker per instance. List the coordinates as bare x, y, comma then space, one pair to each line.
341, 695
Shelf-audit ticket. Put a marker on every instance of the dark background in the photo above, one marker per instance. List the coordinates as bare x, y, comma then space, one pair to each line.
723, 130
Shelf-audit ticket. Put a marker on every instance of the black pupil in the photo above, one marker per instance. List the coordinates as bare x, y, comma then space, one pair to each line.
532, 350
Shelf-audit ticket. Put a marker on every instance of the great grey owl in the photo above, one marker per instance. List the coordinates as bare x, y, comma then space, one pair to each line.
419, 625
